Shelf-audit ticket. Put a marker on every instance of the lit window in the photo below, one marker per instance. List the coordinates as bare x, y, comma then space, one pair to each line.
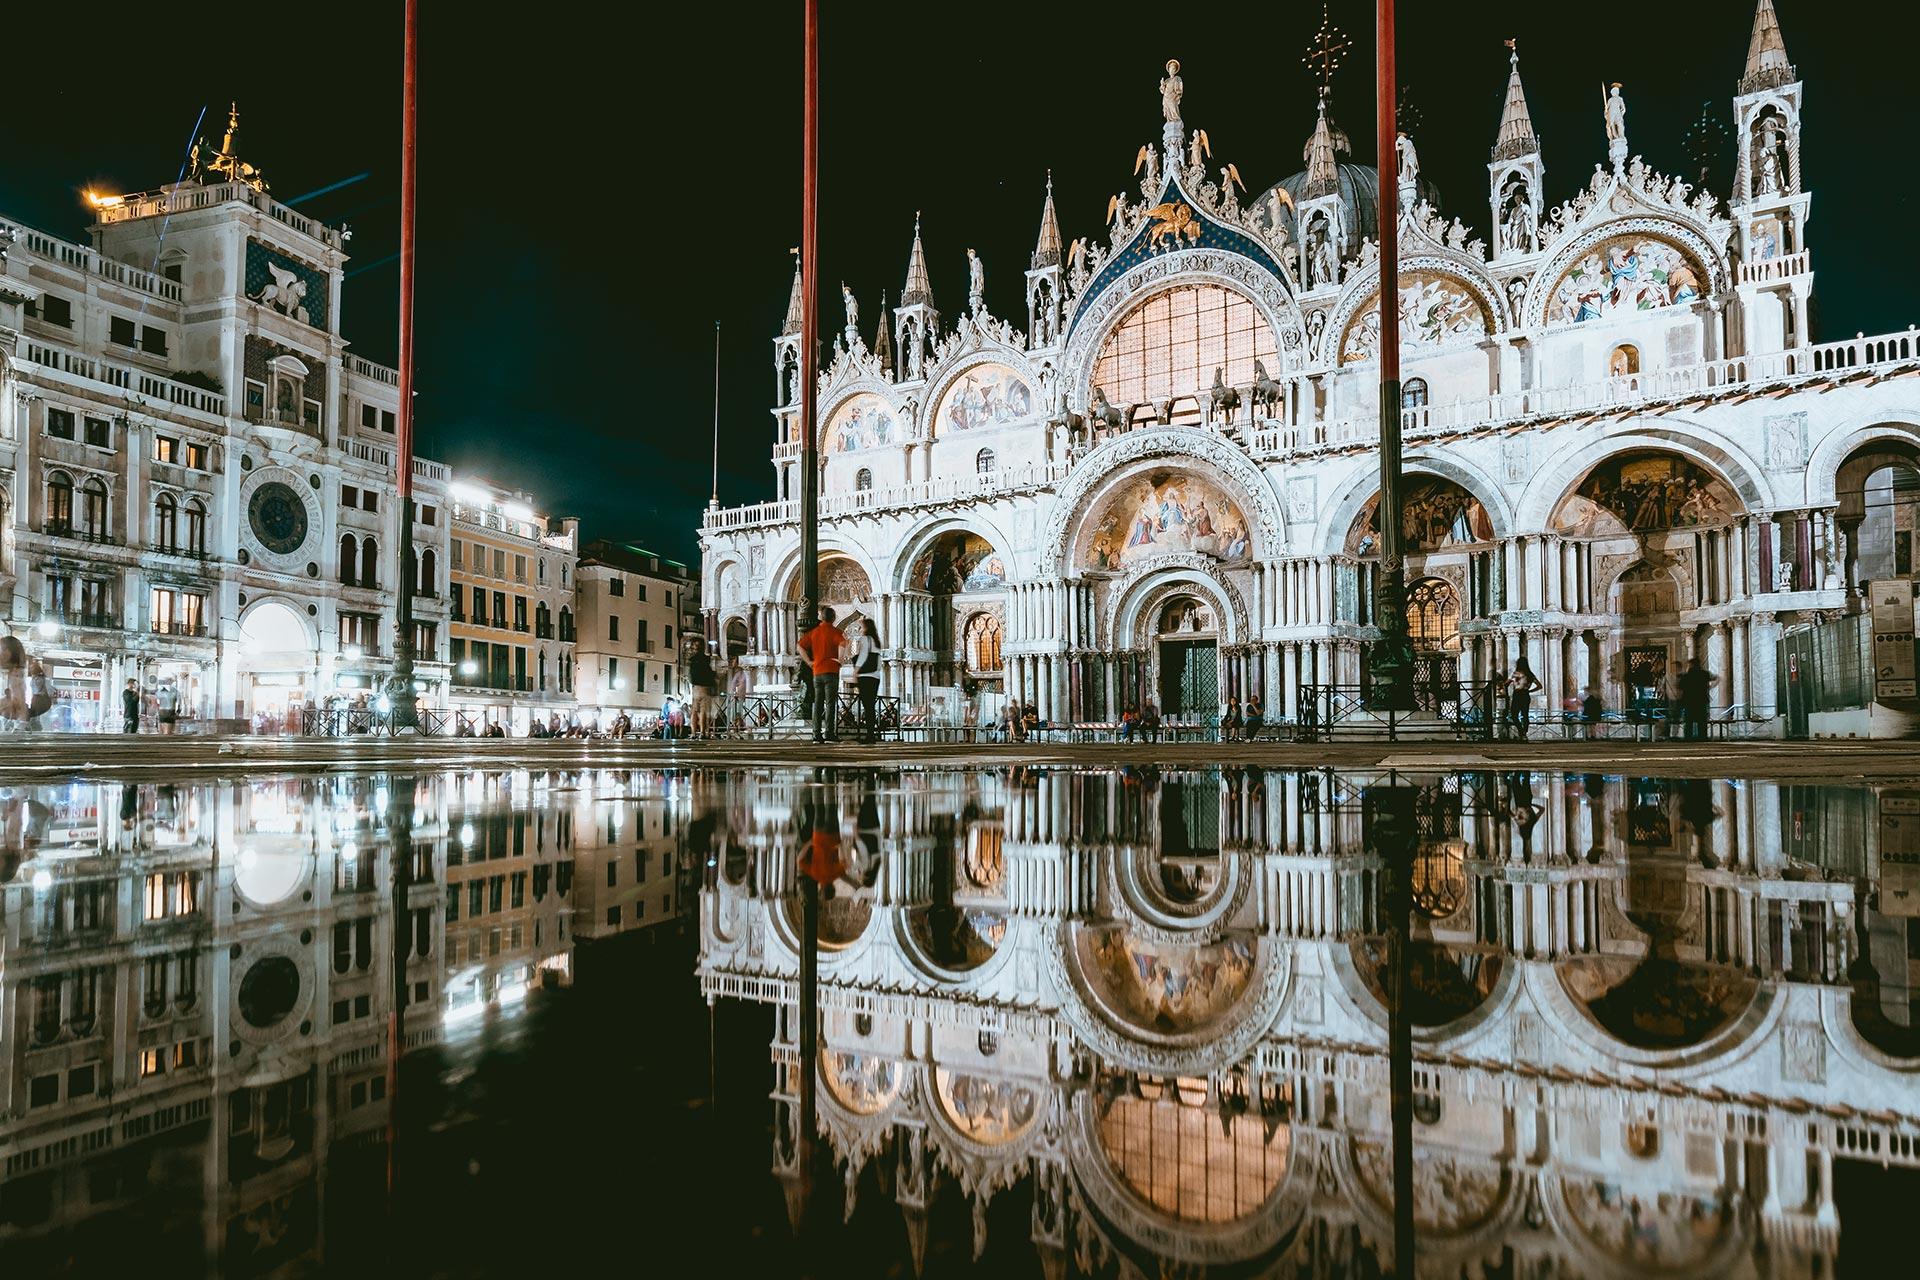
152, 1062
1170, 345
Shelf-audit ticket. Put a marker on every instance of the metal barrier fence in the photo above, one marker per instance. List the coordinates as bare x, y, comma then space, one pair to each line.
1455, 709
762, 714
351, 722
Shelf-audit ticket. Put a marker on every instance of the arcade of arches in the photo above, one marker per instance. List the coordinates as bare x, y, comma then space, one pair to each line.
1643, 558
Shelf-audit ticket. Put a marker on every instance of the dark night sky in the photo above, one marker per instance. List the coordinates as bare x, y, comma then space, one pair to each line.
595, 194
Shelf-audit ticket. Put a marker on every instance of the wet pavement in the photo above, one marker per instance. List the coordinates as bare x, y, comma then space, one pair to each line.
476, 1016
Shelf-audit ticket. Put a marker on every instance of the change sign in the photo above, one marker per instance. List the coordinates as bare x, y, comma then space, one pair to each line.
1893, 667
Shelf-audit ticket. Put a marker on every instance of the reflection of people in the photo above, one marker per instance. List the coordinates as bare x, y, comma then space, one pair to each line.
13, 679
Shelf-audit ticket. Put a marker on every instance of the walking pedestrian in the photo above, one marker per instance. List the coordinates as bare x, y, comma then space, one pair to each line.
169, 706
700, 677
821, 645
13, 682
130, 707
1591, 709
1696, 691
866, 666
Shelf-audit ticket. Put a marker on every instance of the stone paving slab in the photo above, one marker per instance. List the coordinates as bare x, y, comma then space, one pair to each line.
42, 757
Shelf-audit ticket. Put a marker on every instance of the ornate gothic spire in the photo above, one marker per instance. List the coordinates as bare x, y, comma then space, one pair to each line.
1767, 65
1047, 252
919, 292
1516, 126
883, 338
1323, 169
793, 300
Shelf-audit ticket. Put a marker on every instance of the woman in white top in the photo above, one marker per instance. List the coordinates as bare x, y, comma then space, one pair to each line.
864, 660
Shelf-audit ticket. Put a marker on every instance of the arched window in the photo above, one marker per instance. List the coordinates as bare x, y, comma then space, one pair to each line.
349, 559
1170, 345
566, 623
93, 514
1624, 362
429, 572
983, 643
984, 462
59, 503
1413, 394
1433, 616
166, 523
863, 480
196, 527
543, 671
369, 563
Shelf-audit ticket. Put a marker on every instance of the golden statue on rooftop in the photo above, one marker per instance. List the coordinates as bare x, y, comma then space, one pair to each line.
225, 166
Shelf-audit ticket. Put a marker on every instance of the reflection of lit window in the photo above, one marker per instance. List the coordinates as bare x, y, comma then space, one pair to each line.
1171, 344
1172, 1151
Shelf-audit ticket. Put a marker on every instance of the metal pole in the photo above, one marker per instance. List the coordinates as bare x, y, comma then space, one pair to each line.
809, 325
809, 1048
1391, 665
406, 578
1391, 817
713, 499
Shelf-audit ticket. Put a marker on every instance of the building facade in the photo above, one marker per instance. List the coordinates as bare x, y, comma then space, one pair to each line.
511, 608
197, 484
634, 606
1625, 449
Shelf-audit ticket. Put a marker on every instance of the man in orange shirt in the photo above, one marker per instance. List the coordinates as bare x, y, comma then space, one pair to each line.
821, 646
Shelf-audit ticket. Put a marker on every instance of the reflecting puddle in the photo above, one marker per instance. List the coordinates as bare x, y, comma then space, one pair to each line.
1070, 1021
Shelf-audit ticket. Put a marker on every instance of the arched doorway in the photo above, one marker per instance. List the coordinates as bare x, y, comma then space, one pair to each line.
956, 597
1187, 645
1878, 488
276, 667
1433, 627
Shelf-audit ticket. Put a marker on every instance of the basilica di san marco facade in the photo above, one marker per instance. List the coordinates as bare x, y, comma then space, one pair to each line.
1624, 449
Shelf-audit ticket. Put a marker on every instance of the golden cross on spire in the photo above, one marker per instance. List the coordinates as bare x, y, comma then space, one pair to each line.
1326, 51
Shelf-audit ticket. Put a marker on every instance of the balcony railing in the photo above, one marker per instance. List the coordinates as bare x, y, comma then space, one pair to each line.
495, 684
179, 199
93, 619
92, 262
126, 380
194, 629
941, 489
62, 529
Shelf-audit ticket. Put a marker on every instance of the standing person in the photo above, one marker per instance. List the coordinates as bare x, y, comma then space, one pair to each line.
1496, 708
13, 681
1521, 687
700, 679
130, 707
737, 692
1696, 686
169, 706
1591, 709
821, 646
866, 667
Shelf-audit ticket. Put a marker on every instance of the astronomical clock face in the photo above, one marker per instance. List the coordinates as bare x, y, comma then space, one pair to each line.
281, 518
278, 517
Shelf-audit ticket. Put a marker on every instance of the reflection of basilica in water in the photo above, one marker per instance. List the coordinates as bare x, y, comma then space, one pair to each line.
200, 984
1649, 1016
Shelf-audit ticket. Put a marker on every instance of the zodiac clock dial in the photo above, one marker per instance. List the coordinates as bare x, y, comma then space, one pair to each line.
278, 517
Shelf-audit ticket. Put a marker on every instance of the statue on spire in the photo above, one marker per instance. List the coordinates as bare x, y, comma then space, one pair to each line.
1615, 107
976, 283
853, 314
1170, 90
